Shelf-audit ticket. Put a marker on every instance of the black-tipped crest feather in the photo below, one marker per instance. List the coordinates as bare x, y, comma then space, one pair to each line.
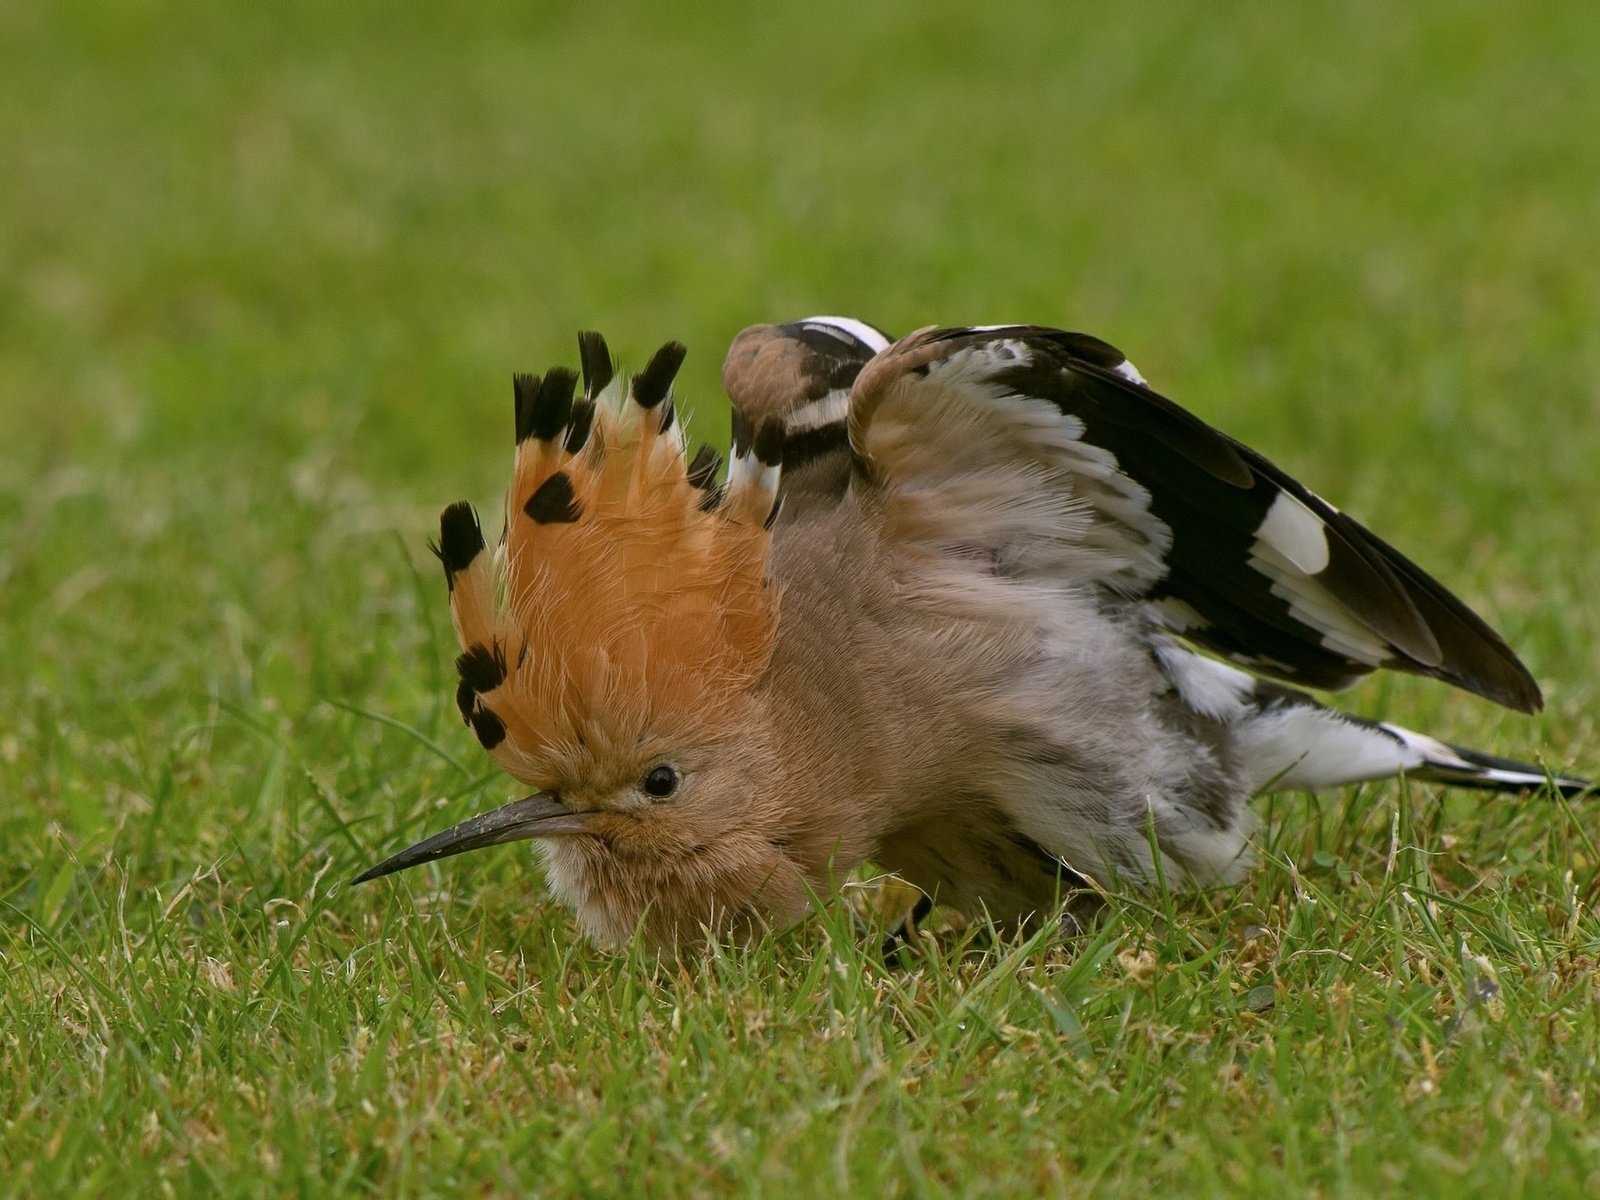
553, 404
703, 468
460, 539
651, 385
595, 357
578, 427
525, 388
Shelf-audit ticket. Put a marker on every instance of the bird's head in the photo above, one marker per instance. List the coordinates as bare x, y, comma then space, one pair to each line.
612, 648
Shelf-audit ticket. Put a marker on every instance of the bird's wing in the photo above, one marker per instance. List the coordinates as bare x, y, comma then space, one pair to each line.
1045, 454
802, 372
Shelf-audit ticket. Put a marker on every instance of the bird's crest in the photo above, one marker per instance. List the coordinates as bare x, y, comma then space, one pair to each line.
628, 596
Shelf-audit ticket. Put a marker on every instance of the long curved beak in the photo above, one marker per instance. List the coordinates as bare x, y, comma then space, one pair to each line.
539, 815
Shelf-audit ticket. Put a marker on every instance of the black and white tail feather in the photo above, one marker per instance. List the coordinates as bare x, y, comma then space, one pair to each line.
1286, 741
1073, 468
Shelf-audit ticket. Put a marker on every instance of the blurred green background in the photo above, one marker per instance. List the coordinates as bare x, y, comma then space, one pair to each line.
265, 271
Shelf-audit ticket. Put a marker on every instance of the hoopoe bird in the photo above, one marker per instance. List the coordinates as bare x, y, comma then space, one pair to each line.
978, 606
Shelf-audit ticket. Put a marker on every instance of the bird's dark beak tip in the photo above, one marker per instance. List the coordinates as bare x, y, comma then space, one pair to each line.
539, 815
377, 871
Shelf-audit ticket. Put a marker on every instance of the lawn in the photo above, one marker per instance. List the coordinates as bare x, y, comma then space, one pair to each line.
265, 272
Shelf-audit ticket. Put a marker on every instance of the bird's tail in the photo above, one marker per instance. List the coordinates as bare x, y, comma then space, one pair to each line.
1284, 740
1291, 742
1459, 766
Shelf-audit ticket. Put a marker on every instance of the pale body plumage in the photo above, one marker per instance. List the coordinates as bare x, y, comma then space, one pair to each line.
973, 679
986, 727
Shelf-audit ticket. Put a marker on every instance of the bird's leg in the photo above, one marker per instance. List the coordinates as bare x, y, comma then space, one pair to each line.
901, 937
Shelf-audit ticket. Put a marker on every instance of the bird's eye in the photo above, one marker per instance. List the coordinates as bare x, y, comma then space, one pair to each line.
661, 782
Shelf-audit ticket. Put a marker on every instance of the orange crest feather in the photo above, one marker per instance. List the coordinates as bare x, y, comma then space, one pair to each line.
628, 597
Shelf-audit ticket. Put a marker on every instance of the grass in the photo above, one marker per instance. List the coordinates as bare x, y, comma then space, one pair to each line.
263, 275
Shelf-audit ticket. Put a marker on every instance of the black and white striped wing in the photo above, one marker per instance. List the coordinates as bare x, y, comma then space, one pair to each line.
1047, 451
801, 372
